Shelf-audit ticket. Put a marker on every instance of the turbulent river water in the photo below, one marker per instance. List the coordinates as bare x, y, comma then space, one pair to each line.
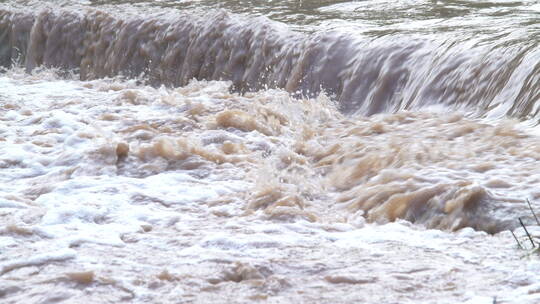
269, 151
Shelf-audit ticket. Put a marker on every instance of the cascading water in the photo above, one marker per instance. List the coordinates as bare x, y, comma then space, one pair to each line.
366, 74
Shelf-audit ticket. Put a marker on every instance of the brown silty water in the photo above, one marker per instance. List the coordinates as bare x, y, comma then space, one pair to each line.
130, 175
442, 172
447, 172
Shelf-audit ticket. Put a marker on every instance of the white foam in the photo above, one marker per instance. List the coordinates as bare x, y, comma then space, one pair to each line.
40, 259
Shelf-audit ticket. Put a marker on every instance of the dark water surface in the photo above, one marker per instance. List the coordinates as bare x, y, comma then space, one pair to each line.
377, 16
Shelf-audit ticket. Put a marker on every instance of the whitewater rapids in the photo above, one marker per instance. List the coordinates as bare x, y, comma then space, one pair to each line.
114, 191
160, 155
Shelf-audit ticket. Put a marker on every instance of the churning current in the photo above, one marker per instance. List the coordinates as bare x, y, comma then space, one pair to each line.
283, 151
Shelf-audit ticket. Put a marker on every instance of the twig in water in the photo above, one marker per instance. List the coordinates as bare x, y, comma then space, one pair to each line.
527, 232
530, 207
515, 238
